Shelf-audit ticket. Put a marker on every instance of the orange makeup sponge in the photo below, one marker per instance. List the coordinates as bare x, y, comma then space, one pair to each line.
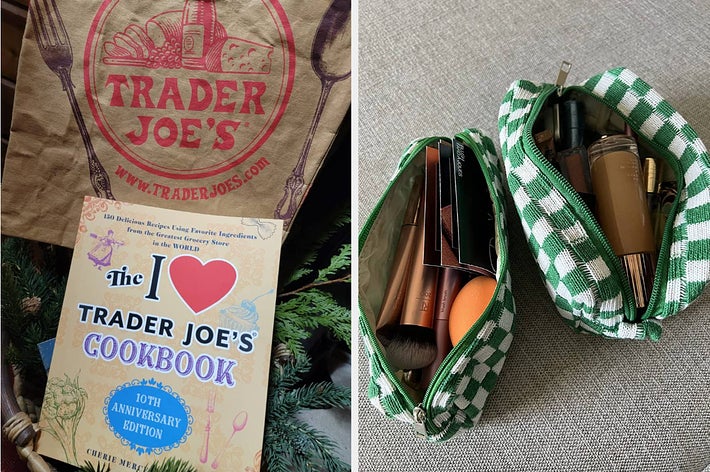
469, 305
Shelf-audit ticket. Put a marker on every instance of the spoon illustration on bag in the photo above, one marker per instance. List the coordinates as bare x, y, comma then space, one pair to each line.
331, 67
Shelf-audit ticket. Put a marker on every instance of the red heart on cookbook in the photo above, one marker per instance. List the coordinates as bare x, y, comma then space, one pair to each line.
201, 286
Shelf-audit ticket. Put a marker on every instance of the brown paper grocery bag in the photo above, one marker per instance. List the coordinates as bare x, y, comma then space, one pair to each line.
215, 106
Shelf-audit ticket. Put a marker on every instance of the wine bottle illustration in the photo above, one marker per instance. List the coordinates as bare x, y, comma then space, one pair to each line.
199, 18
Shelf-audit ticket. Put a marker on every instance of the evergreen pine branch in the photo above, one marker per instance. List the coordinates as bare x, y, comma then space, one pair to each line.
321, 395
305, 311
305, 265
290, 443
338, 263
310, 304
171, 464
100, 467
24, 280
300, 273
310, 449
344, 279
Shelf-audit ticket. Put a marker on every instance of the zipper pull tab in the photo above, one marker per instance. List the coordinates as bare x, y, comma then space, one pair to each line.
419, 417
562, 76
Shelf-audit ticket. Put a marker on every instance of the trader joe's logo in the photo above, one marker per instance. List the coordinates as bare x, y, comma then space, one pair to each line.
188, 90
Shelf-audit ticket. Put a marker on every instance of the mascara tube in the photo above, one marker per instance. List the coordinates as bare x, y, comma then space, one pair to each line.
623, 212
395, 290
573, 160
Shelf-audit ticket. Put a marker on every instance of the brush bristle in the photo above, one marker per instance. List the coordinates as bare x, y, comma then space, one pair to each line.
412, 347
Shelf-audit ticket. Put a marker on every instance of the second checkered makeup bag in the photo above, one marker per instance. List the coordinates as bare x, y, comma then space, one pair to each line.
581, 270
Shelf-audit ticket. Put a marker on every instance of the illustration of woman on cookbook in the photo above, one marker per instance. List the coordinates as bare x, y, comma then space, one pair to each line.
101, 253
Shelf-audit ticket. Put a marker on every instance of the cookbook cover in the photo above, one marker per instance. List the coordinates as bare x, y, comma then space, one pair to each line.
164, 339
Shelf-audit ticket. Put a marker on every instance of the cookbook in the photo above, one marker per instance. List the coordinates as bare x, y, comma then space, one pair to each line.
164, 339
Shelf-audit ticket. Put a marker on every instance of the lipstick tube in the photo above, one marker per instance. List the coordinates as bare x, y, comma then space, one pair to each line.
622, 211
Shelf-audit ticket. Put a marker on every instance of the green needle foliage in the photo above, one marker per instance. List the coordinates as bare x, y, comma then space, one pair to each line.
171, 465
100, 467
32, 294
166, 465
300, 315
316, 283
314, 298
318, 299
291, 444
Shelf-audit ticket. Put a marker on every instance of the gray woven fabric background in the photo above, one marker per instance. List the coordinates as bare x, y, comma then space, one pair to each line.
565, 401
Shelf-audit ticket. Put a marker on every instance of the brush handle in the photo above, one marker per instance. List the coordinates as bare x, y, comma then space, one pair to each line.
450, 282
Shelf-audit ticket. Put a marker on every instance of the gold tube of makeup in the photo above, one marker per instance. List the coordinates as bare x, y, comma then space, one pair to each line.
623, 214
450, 282
393, 299
420, 297
413, 342
650, 174
649, 177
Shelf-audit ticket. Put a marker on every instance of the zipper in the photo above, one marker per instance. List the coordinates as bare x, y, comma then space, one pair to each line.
588, 220
562, 76
419, 419
662, 262
419, 414
465, 343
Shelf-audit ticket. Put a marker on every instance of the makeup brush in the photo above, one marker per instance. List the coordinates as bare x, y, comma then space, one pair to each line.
393, 300
413, 343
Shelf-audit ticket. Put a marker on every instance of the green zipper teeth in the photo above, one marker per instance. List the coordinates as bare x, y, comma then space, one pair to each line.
589, 221
452, 356
660, 275
389, 371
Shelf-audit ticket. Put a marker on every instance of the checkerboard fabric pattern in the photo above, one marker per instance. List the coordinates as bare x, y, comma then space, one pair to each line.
457, 400
587, 291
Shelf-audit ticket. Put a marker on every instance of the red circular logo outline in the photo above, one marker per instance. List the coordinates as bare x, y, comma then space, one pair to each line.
90, 50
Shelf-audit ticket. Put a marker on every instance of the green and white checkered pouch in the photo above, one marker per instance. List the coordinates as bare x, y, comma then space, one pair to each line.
457, 393
583, 275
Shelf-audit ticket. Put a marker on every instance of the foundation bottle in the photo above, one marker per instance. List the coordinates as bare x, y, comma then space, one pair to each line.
622, 211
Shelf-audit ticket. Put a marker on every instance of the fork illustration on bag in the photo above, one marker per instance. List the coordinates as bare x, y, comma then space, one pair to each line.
54, 46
